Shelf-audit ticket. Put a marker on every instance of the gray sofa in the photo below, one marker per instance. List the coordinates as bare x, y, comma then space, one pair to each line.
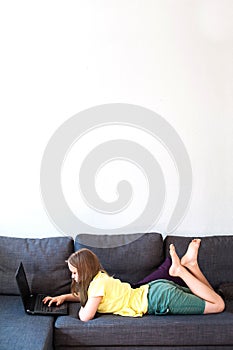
44, 261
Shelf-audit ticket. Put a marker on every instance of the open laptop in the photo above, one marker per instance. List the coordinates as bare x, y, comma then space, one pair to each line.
33, 303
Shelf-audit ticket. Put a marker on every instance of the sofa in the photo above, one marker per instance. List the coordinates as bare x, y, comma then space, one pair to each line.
132, 258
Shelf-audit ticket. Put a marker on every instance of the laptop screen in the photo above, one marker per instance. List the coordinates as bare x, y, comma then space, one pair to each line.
23, 285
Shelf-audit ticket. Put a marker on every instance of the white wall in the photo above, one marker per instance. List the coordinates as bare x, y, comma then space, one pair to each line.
61, 57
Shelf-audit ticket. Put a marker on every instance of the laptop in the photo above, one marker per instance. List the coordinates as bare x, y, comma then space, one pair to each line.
33, 303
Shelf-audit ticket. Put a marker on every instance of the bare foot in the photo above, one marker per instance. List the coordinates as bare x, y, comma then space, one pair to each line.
190, 257
176, 265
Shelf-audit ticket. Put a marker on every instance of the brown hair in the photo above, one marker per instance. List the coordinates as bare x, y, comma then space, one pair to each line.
87, 265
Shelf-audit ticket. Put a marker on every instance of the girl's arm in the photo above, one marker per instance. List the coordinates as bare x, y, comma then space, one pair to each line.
88, 312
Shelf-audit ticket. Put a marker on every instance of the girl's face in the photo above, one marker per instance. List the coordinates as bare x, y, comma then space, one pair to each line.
74, 272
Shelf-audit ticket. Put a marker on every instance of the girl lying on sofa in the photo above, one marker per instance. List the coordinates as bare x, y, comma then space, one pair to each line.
99, 292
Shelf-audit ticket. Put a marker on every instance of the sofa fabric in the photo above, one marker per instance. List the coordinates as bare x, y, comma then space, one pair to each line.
120, 347
19, 331
149, 330
130, 262
215, 256
44, 262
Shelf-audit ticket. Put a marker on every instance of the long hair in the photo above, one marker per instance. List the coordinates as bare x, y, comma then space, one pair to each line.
87, 265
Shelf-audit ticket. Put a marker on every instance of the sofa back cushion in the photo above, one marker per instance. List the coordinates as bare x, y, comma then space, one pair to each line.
130, 260
44, 263
215, 256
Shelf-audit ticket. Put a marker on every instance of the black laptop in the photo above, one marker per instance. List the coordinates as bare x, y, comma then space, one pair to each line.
33, 303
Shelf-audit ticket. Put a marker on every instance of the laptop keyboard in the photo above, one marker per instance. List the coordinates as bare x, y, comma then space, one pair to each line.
40, 306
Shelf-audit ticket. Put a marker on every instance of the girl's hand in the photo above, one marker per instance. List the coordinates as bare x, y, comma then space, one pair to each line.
58, 300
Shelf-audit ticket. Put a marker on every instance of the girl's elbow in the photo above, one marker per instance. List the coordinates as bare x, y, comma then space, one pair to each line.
85, 318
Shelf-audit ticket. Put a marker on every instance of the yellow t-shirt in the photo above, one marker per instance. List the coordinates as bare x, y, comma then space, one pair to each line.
118, 297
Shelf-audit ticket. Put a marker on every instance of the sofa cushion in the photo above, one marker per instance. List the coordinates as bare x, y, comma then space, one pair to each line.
21, 331
173, 330
128, 261
215, 256
44, 262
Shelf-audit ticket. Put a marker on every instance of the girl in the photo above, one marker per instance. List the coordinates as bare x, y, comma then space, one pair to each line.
97, 291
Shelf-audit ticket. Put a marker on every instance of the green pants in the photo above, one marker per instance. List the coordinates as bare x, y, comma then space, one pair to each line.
166, 297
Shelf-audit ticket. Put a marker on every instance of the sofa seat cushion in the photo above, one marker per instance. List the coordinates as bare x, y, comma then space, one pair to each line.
215, 256
111, 330
44, 262
21, 331
130, 260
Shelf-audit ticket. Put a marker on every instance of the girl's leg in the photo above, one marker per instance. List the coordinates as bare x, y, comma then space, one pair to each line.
214, 302
189, 260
